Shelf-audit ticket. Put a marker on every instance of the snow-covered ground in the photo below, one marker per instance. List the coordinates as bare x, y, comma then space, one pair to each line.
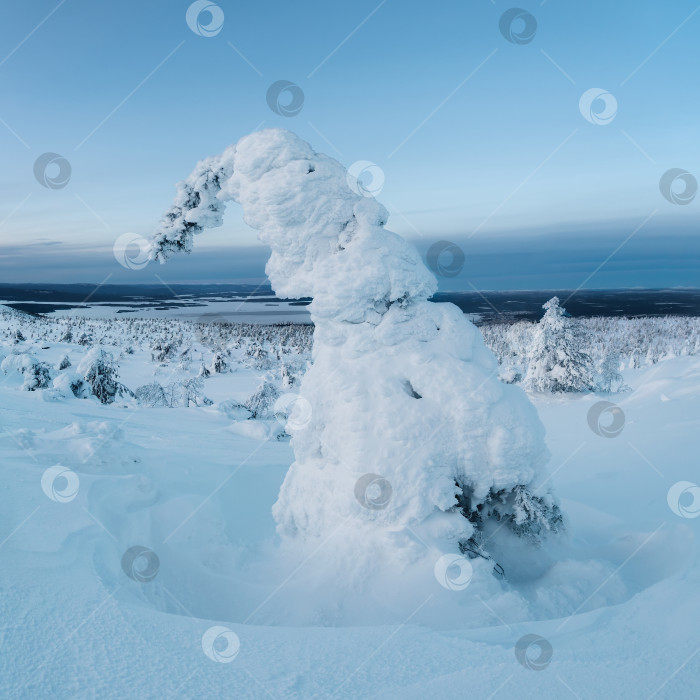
615, 601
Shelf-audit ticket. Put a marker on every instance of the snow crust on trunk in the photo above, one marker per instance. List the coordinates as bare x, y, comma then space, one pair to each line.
399, 387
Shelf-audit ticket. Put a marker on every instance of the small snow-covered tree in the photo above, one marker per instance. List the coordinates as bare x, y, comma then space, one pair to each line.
100, 372
556, 361
203, 371
193, 393
609, 379
71, 383
164, 350
179, 393
151, 395
185, 357
234, 410
16, 361
64, 362
261, 403
219, 363
288, 376
37, 375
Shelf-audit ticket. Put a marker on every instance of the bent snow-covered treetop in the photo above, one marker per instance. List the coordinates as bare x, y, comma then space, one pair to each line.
327, 242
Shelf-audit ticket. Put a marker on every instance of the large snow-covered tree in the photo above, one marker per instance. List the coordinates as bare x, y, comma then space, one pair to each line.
399, 388
556, 360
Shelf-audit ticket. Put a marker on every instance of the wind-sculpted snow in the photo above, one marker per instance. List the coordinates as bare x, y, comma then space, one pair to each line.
400, 388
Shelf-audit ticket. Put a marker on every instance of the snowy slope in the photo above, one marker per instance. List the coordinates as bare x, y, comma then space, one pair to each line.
617, 600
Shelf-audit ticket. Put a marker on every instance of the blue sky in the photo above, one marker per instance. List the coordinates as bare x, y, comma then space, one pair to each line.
481, 141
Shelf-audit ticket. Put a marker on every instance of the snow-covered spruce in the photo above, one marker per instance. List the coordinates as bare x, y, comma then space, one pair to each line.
261, 403
36, 374
555, 359
398, 387
99, 370
637, 342
219, 363
552, 356
71, 384
608, 377
64, 362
